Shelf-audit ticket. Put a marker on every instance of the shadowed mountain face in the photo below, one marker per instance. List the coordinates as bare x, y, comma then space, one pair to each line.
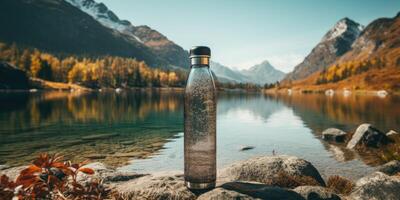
334, 44
58, 27
157, 42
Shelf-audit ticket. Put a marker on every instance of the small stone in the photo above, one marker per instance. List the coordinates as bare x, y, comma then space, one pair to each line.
391, 132
334, 134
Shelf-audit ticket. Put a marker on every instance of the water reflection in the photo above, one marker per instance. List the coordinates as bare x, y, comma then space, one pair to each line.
60, 121
120, 127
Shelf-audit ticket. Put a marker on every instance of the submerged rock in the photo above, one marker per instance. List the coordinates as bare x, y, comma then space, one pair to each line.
245, 148
377, 186
266, 168
390, 168
334, 134
316, 193
99, 136
95, 156
367, 135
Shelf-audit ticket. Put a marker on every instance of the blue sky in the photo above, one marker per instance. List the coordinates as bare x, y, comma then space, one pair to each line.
243, 33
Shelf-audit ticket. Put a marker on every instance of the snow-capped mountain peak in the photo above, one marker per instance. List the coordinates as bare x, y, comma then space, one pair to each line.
106, 17
343, 26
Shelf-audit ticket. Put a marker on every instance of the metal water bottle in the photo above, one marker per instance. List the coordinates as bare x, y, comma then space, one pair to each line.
200, 122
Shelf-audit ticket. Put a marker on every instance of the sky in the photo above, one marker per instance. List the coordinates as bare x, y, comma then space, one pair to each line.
244, 33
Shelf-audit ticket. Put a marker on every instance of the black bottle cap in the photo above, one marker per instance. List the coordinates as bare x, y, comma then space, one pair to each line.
200, 51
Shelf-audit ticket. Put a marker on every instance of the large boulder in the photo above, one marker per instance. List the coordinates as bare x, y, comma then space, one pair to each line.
316, 193
367, 135
157, 187
390, 168
267, 169
261, 191
12, 77
377, 186
334, 134
224, 194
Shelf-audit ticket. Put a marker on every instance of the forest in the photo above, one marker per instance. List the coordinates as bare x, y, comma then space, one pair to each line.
98, 72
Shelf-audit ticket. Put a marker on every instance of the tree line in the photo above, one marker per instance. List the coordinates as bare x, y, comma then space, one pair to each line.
341, 71
106, 71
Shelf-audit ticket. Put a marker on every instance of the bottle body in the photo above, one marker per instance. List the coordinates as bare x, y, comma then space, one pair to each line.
200, 129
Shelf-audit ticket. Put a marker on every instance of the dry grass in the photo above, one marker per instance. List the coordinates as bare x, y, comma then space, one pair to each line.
340, 185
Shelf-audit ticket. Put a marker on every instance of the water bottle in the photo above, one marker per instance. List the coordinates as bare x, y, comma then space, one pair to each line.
200, 122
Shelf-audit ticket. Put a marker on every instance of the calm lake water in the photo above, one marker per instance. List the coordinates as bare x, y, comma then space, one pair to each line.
142, 131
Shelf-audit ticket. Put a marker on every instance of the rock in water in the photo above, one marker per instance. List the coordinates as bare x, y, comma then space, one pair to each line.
367, 135
377, 186
264, 169
334, 134
390, 168
316, 192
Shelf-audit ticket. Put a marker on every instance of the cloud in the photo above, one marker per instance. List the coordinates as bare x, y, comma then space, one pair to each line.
284, 62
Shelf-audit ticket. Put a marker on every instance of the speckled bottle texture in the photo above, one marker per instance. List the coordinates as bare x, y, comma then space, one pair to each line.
200, 128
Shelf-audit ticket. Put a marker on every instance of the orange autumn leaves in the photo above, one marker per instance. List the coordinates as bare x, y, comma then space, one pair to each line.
49, 177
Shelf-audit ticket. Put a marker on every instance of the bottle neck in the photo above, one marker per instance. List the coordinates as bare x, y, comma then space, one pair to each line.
200, 61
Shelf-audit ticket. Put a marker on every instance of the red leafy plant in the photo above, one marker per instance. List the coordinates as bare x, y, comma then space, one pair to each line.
49, 177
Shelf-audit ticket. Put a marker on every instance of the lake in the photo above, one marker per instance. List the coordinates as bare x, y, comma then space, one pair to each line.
142, 130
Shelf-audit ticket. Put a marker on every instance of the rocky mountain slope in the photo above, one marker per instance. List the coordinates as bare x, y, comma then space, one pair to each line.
58, 27
157, 42
336, 42
372, 63
226, 74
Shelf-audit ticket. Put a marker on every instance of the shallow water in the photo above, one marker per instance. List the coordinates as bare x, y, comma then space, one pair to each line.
115, 126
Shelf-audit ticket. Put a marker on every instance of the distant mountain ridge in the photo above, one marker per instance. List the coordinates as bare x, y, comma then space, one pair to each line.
336, 42
258, 74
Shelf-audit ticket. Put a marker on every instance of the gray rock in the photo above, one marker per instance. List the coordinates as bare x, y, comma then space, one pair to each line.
316, 193
262, 191
392, 132
156, 186
121, 176
264, 169
390, 168
334, 134
224, 194
367, 135
377, 186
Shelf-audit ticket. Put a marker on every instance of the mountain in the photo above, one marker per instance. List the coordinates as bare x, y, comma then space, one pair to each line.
58, 27
258, 74
263, 73
225, 74
336, 42
372, 63
157, 42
